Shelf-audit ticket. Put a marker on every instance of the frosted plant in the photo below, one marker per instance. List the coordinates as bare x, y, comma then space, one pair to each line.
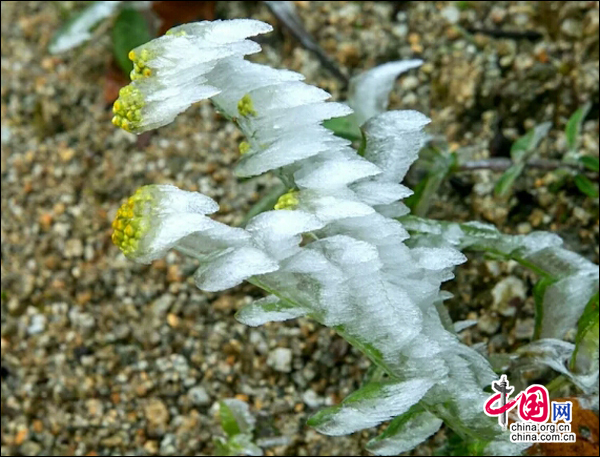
332, 249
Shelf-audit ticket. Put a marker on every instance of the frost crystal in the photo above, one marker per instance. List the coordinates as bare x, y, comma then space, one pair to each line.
333, 250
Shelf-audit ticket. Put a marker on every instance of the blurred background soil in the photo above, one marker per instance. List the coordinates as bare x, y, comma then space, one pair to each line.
102, 356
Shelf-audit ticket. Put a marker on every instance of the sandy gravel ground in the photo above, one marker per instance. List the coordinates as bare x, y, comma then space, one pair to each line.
101, 356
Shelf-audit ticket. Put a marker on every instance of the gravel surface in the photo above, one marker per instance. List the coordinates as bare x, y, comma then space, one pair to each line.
102, 356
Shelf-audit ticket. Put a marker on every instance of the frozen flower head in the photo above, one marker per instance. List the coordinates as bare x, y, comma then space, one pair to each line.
174, 71
156, 218
162, 217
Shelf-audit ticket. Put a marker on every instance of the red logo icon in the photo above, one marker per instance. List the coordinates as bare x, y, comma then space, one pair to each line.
534, 402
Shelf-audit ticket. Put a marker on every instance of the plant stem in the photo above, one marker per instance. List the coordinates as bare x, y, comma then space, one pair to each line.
502, 164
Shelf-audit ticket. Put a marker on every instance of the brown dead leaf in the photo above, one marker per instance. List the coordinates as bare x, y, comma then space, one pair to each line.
180, 12
584, 424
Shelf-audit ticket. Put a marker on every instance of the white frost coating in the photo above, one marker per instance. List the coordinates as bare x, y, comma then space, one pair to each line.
438, 258
406, 436
335, 174
576, 290
394, 140
336, 253
232, 267
287, 150
268, 309
391, 400
329, 208
78, 31
556, 354
575, 279
369, 92
459, 326
289, 95
173, 200
223, 32
380, 193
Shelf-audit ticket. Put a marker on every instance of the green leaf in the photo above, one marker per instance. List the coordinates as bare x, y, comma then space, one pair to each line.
590, 162
266, 203
374, 374
539, 290
439, 165
586, 186
507, 180
573, 127
77, 30
130, 31
345, 127
228, 420
525, 146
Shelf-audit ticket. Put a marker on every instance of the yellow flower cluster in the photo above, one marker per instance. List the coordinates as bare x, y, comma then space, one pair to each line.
131, 222
287, 201
244, 147
246, 107
140, 64
128, 108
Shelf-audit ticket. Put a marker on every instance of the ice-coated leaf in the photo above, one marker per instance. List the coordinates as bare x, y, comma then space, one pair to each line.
279, 233
286, 151
334, 174
568, 278
369, 92
232, 267
459, 326
290, 95
268, 309
224, 32
78, 29
437, 258
405, 432
394, 139
329, 208
369, 406
564, 302
374, 192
